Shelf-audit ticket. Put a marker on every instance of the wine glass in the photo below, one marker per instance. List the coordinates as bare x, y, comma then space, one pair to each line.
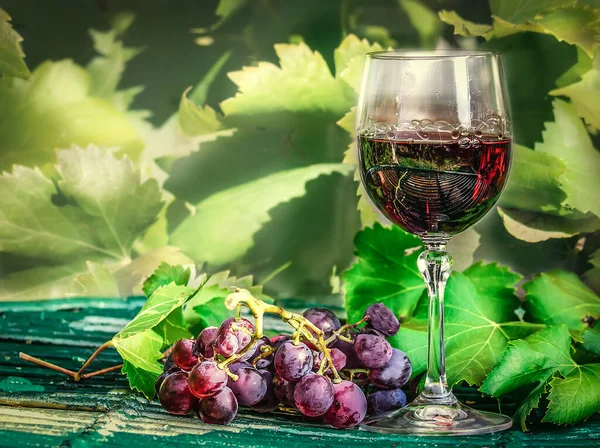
434, 144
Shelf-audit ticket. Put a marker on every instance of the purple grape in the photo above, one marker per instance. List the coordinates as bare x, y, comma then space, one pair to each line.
373, 351
235, 366
250, 386
160, 380
352, 361
262, 363
313, 395
276, 341
175, 396
323, 319
183, 354
337, 356
361, 379
349, 406
170, 365
232, 340
292, 362
385, 400
279, 388
219, 409
394, 374
270, 400
206, 379
205, 341
381, 318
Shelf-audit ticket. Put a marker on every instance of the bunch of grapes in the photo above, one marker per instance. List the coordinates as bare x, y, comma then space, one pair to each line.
327, 371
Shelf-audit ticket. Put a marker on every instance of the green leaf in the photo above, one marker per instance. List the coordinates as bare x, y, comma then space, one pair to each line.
535, 227
463, 27
140, 353
140, 379
98, 282
165, 274
531, 360
174, 328
533, 183
159, 305
530, 402
568, 139
11, 54
58, 96
574, 397
576, 72
207, 307
463, 247
591, 341
226, 9
480, 320
560, 297
386, 271
425, 21
519, 11
112, 192
241, 211
585, 94
107, 68
194, 120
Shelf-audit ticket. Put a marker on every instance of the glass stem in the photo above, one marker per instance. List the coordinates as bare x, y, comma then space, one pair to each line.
435, 265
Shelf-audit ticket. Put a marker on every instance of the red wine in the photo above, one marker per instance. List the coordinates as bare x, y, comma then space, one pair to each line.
437, 188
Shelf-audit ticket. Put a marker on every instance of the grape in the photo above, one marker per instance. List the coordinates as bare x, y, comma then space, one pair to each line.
382, 319
270, 400
160, 380
292, 362
373, 351
385, 400
284, 390
170, 365
205, 340
313, 395
361, 379
232, 340
323, 319
235, 366
337, 356
250, 386
265, 362
183, 354
219, 409
352, 361
394, 374
276, 341
175, 396
206, 379
349, 406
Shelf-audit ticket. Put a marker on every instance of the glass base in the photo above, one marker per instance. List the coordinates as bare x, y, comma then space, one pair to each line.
446, 418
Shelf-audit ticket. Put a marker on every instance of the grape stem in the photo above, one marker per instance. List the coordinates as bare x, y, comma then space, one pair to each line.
302, 326
79, 375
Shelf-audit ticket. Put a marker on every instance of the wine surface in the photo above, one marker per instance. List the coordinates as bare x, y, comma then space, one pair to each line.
429, 187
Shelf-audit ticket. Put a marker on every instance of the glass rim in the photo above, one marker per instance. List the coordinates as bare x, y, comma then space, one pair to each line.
398, 55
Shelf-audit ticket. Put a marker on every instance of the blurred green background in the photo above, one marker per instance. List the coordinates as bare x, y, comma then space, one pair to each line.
249, 171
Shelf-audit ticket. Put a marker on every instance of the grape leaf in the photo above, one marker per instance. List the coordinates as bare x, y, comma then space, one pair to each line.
207, 307
518, 11
386, 271
591, 341
568, 139
533, 183
574, 397
576, 72
241, 211
98, 282
560, 297
195, 120
585, 94
424, 20
165, 274
531, 402
111, 191
463, 27
535, 227
11, 54
159, 305
531, 360
140, 353
480, 320
57, 93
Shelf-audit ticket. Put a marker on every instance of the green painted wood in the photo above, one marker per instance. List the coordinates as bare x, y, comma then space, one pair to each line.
42, 408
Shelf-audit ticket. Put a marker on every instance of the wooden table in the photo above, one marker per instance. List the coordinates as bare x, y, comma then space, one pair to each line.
40, 407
